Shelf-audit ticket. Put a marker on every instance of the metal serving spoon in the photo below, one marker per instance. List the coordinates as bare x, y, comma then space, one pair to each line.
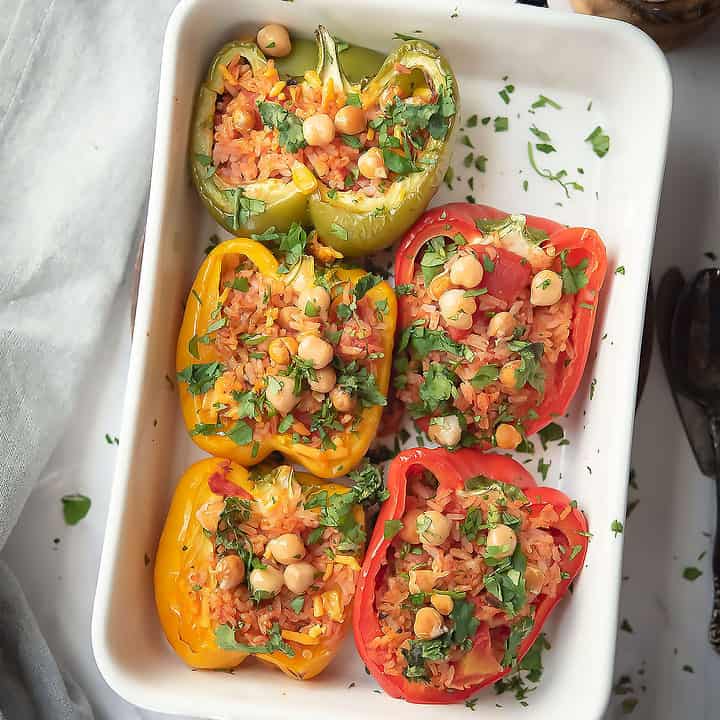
695, 373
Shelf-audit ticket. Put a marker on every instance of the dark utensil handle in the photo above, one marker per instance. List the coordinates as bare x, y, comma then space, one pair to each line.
714, 631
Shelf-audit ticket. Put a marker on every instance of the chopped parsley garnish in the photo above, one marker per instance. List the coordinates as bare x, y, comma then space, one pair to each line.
506, 92
423, 341
480, 163
506, 582
360, 383
244, 207
75, 507
691, 573
297, 604
225, 639
240, 433
288, 125
558, 177
501, 124
392, 528
365, 283
544, 101
551, 433
617, 527
574, 278
291, 245
600, 142
339, 231
518, 632
620, 270
200, 377
530, 371
484, 376
543, 468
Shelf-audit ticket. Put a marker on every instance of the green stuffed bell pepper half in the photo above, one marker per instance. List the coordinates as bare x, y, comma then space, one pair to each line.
358, 159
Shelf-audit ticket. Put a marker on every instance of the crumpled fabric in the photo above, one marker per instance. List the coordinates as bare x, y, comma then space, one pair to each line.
78, 93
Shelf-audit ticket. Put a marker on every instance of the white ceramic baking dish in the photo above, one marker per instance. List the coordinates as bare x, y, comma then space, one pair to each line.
571, 59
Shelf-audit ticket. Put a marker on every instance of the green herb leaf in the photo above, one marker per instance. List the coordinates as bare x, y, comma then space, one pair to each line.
501, 124
600, 142
297, 604
288, 125
617, 527
551, 433
392, 528
484, 376
241, 433
200, 377
544, 101
574, 278
691, 573
339, 231
75, 507
225, 639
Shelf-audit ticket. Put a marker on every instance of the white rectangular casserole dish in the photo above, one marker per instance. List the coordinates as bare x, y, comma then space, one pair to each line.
572, 59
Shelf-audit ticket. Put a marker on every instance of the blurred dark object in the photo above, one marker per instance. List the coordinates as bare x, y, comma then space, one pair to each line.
691, 353
647, 343
534, 3
670, 23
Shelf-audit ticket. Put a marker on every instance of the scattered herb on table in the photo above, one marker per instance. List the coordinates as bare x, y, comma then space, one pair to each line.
617, 527
600, 142
691, 573
75, 507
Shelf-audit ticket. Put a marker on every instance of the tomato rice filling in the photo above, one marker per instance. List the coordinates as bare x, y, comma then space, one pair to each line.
464, 572
280, 573
296, 354
487, 331
258, 129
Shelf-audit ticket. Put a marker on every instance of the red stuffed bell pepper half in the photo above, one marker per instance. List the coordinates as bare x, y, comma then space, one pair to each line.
467, 560
496, 314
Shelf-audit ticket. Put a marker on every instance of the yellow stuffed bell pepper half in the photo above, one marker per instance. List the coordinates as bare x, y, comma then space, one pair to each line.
290, 356
262, 563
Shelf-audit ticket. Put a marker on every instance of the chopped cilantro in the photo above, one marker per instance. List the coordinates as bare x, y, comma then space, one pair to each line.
392, 528
544, 101
574, 278
200, 377
691, 573
75, 507
617, 527
551, 433
501, 124
620, 270
288, 125
600, 142
225, 639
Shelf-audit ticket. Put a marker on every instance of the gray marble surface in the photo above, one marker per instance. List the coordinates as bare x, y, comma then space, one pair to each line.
667, 614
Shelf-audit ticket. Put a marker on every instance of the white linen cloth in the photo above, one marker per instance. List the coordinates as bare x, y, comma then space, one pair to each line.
78, 88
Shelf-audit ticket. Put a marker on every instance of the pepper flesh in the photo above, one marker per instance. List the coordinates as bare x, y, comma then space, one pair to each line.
184, 549
202, 301
366, 224
374, 223
579, 242
452, 469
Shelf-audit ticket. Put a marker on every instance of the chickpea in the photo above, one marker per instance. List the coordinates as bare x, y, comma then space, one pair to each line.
371, 164
466, 271
445, 430
409, 533
456, 309
433, 527
442, 603
318, 297
316, 350
282, 349
299, 577
350, 120
507, 437
325, 382
269, 580
501, 324
286, 549
343, 401
534, 579
508, 374
230, 572
274, 40
504, 539
439, 284
421, 581
546, 288
281, 396
287, 316
243, 119
208, 514
319, 129
428, 624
